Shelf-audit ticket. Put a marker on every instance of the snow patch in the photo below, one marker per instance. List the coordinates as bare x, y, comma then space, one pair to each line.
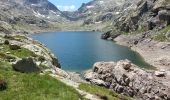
117, 13
37, 14
101, 2
98, 22
88, 7
53, 12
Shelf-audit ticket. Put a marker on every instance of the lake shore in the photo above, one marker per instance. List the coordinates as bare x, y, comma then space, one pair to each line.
155, 53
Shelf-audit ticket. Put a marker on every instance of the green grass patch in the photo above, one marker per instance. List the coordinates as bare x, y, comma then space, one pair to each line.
5, 57
35, 87
22, 86
102, 92
160, 37
125, 33
165, 30
19, 37
162, 34
141, 29
21, 53
5, 66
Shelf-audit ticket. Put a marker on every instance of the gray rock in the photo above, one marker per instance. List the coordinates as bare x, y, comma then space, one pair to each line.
119, 88
164, 16
90, 75
127, 65
159, 73
98, 82
26, 65
61, 73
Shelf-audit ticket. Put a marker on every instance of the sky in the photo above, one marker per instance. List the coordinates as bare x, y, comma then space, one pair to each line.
68, 5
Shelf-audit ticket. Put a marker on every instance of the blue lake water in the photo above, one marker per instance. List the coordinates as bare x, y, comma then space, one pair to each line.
78, 51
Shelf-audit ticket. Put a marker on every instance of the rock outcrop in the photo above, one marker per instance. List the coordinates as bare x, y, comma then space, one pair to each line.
110, 35
126, 78
106, 35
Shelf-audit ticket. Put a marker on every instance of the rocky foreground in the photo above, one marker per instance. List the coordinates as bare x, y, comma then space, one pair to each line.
127, 78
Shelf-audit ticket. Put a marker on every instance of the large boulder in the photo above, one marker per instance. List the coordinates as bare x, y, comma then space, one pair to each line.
127, 78
26, 65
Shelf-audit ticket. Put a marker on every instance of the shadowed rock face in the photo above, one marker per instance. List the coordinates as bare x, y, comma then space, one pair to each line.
126, 78
55, 62
26, 66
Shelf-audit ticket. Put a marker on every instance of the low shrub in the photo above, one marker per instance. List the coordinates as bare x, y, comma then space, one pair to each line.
6, 42
14, 47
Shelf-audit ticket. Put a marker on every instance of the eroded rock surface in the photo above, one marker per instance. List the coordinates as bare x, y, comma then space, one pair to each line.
127, 78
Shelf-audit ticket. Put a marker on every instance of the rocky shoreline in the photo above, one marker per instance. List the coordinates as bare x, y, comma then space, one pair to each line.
155, 53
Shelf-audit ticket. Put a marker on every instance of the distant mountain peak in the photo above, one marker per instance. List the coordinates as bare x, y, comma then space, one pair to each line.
45, 4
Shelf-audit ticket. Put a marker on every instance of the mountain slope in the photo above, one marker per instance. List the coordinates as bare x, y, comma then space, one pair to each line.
147, 15
99, 9
101, 12
27, 14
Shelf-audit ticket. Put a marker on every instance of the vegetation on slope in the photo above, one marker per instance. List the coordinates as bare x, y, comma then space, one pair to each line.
21, 53
161, 36
23, 86
102, 92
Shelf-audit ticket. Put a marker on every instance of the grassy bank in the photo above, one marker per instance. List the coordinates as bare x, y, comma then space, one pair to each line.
33, 86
